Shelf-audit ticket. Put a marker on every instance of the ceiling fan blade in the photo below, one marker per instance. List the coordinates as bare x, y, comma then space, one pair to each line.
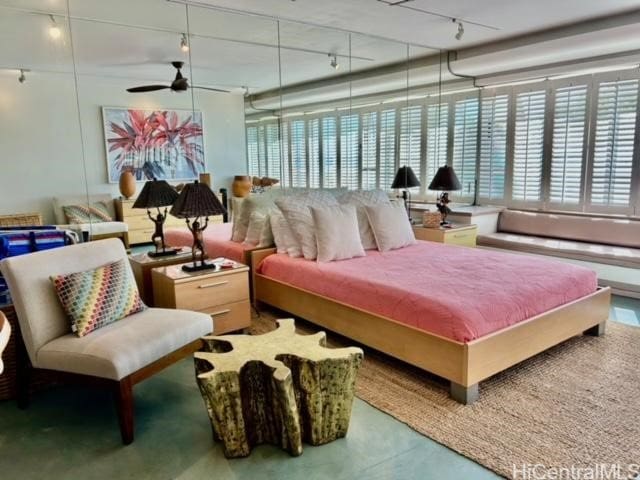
147, 88
212, 89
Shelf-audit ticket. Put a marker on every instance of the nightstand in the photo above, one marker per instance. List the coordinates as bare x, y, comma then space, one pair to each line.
142, 263
223, 294
456, 235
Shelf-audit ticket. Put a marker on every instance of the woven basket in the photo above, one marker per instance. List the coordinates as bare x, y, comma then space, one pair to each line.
21, 220
431, 219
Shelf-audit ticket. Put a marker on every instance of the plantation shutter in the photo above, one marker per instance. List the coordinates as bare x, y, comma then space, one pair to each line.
286, 163
614, 142
437, 135
298, 154
329, 153
349, 125
568, 144
465, 142
274, 159
528, 146
410, 133
369, 151
253, 160
387, 148
493, 147
314, 152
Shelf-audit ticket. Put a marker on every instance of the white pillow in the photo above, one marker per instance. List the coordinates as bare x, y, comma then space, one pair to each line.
362, 198
266, 236
391, 226
295, 209
337, 234
256, 225
283, 236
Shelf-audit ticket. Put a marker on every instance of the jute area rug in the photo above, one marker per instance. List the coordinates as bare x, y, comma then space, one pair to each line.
577, 404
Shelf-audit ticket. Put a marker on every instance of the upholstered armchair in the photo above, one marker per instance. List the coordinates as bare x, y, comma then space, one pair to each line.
5, 333
116, 356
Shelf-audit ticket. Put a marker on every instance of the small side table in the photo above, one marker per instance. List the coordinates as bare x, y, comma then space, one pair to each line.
456, 235
223, 294
142, 263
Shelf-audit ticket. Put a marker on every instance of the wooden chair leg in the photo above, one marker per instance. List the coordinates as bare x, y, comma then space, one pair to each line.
123, 395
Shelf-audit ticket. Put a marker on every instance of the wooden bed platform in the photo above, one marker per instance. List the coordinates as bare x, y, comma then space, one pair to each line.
463, 364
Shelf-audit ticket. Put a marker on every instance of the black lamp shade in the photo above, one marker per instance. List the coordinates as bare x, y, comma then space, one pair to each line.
445, 179
197, 200
405, 178
155, 193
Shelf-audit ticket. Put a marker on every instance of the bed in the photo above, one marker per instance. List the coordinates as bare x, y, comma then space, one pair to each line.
217, 242
463, 314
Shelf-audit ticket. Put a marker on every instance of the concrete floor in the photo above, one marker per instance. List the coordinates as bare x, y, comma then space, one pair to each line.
71, 433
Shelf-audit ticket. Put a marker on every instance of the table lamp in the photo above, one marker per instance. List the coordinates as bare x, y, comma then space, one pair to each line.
405, 179
157, 194
196, 200
445, 180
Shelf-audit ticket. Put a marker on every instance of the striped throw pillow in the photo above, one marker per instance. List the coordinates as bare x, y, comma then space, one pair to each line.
96, 213
95, 298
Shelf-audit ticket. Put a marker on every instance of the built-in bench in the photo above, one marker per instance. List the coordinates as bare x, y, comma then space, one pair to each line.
613, 241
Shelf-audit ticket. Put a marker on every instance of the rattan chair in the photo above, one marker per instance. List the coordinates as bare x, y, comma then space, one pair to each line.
21, 220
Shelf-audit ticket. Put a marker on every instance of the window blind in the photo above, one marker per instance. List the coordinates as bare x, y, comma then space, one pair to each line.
252, 151
568, 143
286, 160
274, 159
493, 147
369, 150
437, 135
349, 126
614, 142
528, 146
298, 154
465, 143
314, 152
387, 148
329, 153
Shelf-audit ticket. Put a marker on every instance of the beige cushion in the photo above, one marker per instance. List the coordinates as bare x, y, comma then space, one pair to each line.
126, 346
58, 202
337, 233
362, 198
103, 228
593, 252
283, 235
390, 225
610, 231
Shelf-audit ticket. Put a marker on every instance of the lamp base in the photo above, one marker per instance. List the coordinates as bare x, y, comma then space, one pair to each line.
163, 253
199, 268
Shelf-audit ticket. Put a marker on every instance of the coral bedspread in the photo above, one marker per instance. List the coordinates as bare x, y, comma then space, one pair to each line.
455, 292
216, 238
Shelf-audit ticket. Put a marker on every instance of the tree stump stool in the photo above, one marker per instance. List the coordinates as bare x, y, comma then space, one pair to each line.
280, 388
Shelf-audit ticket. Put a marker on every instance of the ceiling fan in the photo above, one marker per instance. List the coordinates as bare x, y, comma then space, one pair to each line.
179, 84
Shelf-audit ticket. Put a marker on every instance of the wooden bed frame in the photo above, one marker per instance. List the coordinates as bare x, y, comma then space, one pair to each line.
463, 364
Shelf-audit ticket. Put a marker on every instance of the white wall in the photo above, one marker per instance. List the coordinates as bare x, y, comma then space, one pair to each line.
41, 151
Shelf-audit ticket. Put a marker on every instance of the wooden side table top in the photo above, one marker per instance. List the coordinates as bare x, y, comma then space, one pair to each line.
175, 272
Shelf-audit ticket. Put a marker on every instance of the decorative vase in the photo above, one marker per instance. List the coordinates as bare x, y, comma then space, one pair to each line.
206, 179
127, 184
241, 186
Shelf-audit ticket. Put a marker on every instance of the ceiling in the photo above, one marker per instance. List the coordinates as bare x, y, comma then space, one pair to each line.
131, 42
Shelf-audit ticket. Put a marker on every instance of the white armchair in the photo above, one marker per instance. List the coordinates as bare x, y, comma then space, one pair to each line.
116, 356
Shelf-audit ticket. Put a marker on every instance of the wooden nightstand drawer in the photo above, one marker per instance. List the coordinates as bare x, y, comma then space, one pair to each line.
230, 316
462, 237
208, 292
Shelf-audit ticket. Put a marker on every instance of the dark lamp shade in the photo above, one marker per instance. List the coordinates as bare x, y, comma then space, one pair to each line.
405, 178
445, 179
197, 200
156, 193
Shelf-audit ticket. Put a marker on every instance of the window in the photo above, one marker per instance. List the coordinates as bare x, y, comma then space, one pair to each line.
298, 154
274, 159
493, 147
410, 136
314, 152
369, 150
329, 153
387, 148
286, 158
437, 135
612, 157
568, 145
349, 125
253, 159
528, 146
465, 143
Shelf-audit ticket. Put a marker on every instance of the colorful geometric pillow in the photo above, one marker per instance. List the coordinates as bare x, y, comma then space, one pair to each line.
95, 298
98, 212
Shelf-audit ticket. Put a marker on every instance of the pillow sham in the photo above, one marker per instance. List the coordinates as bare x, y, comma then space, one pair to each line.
295, 209
337, 233
390, 226
95, 298
259, 231
98, 212
362, 198
282, 235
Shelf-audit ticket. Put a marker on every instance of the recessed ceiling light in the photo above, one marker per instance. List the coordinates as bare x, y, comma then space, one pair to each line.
184, 43
54, 30
334, 61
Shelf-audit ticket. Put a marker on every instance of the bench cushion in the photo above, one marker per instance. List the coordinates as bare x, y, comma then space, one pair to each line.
119, 349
